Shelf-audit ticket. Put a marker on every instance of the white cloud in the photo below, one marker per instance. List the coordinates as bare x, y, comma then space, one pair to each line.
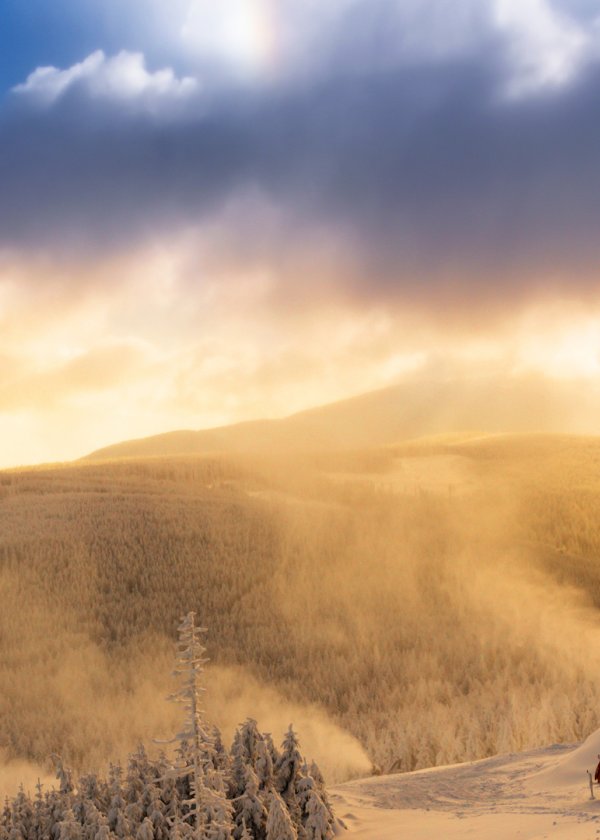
123, 77
547, 47
546, 43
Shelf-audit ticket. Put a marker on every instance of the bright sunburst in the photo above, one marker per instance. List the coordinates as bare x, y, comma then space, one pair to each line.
243, 34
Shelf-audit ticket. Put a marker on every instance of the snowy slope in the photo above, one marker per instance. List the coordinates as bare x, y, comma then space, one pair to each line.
542, 793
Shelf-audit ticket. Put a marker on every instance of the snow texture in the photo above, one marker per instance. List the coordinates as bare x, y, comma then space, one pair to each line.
528, 796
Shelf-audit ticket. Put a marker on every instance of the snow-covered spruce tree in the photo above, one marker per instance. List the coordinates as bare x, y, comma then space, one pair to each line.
279, 823
117, 820
63, 774
289, 764
93, 821
264, 765
318, 824
220, 756
138, 775
317, 816
23, 813
250, 810
41, 813
69, 827
289, 775
273, 751
155, 811
239, 762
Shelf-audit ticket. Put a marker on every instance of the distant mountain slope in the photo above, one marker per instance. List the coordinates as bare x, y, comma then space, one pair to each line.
415, 408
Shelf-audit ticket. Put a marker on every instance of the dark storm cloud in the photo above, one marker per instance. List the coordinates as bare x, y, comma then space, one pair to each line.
424, 172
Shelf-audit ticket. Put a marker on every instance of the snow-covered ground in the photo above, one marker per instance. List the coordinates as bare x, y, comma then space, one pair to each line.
542, 793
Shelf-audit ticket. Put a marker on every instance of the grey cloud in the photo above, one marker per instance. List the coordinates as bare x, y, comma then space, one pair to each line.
422, 171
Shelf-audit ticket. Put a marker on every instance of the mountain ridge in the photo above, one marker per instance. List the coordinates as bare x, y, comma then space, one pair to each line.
414, 408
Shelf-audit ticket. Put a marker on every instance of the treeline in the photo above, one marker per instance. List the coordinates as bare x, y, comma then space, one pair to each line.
251, 792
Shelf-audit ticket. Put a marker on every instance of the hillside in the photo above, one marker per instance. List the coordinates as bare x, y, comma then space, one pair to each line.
418, 407
420, 604
540, 793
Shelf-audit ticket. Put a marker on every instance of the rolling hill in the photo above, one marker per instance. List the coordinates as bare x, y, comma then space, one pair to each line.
417, 407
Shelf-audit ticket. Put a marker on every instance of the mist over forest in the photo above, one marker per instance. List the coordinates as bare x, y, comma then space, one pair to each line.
406, 606
300, 382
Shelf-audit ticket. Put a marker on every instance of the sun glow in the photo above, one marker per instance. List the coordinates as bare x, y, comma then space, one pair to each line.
243, 34
566, 349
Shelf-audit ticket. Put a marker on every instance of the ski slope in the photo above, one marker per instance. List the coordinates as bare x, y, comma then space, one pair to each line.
527, 796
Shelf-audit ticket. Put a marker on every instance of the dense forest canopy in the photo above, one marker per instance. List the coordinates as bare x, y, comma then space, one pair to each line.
427, 603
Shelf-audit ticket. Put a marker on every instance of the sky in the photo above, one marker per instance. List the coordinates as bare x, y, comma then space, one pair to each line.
216, 210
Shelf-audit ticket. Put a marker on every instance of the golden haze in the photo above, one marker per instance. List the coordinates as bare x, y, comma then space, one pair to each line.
418, 604
176, 336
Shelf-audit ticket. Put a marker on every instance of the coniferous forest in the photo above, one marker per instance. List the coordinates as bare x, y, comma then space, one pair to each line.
435, 602
204, 791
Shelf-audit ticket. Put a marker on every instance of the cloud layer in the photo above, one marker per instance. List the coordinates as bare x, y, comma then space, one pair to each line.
474, 167
213, 215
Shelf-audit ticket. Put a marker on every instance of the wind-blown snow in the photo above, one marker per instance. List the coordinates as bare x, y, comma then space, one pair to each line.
529, 796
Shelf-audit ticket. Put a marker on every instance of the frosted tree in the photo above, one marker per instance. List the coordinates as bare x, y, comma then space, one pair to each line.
313, 798
250, 737
264, 765
145, 831
171, 799
279, 823
189, 670
6, 817
116, 811
63, 774
90, 789
22, 813
250, 810
318, 823
317, 776
238, 765
271, 748
57, 804
69, 828
289, 764
218, 809
41, 813
220, 756
289, 774
157, 817
92, 820
219, 816
138, 776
